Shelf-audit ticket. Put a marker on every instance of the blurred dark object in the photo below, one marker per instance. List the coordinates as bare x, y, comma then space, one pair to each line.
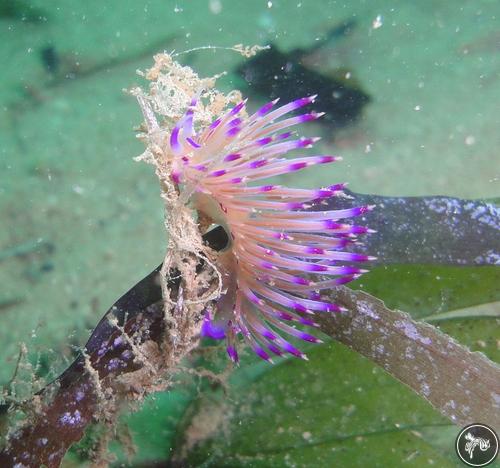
50, 59
273, 73
21, 11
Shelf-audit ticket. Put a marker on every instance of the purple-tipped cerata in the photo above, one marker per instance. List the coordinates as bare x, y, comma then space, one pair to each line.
282, 255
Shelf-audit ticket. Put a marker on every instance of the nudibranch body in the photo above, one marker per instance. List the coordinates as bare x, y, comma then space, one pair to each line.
282, 254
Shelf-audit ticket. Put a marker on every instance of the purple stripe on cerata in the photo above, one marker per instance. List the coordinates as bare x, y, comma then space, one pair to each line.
263, 141
193, 143
232, 157
258, 163
237, 108
297, 166
231, 351
175, 176
174, 139
261, 353
266, 108
233, 131
292, 349
218, 173
274, 349
283, 136
215, 124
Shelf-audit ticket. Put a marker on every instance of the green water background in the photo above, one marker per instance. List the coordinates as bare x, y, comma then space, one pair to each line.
89, 218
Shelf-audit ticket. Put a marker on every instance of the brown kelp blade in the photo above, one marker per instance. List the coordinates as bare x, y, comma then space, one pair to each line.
434, 230
135, 301
90, 386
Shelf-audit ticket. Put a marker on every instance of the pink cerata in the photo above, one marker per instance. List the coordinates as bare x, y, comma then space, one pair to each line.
282, 255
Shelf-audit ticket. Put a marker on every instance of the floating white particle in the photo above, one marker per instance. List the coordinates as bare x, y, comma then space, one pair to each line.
377, 22
215, 6
417, 108
470, 140
269, 4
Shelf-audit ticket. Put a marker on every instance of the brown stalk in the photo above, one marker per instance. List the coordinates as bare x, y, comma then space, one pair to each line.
462, 385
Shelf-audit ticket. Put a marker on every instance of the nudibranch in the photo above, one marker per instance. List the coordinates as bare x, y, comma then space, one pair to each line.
282, 254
